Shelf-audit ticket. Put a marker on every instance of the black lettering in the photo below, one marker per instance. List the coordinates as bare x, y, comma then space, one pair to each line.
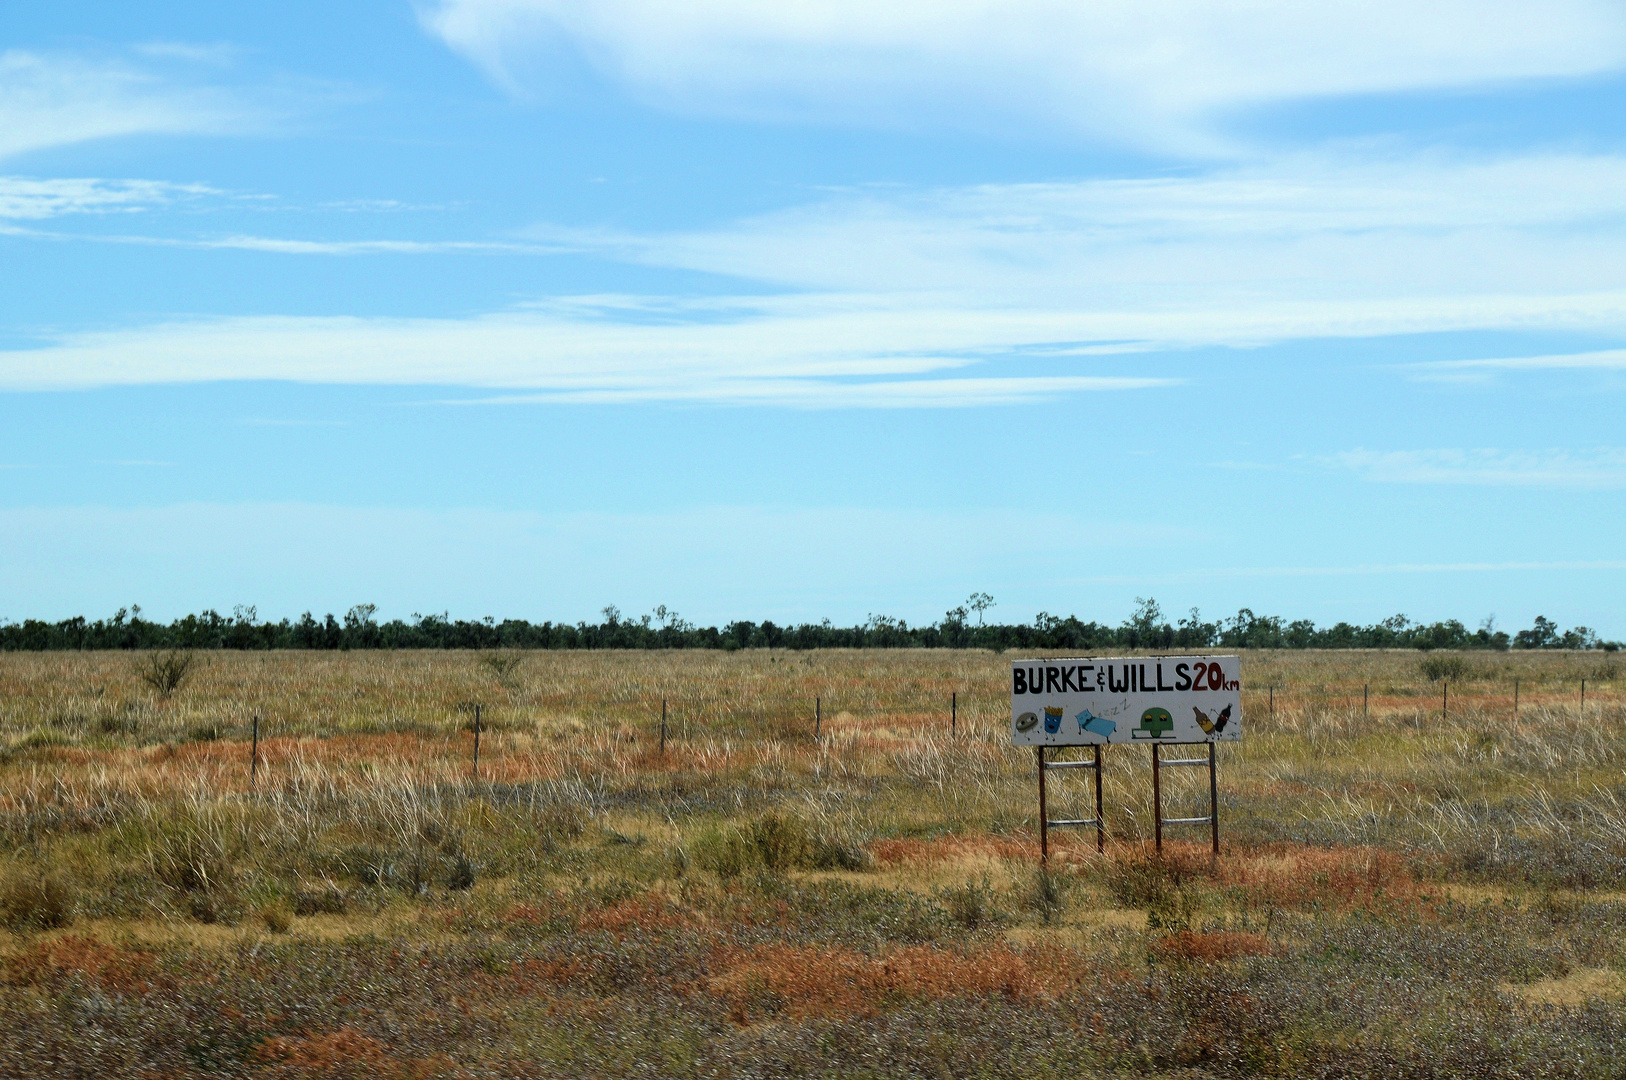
1035, 680
1019, 681
1160, 685
1083, 680
1050, 676
1067, 678
1116, 686
1182, 676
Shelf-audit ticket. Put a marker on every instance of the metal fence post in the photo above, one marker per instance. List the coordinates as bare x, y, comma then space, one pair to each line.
1100, 824
254, 757
1213, 795
818, 716
954, 714
477, 741
1044, 815
1157, 801
663, 725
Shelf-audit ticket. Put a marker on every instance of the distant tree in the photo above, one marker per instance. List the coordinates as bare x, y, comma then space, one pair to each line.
979, 602
164, 669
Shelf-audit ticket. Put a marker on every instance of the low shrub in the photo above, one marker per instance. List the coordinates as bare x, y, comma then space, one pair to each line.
775, 843
329, 901
972, 904
1437, 666
34, 901
164, 669
277, 918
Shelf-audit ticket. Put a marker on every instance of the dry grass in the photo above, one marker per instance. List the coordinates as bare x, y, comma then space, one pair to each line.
756, 901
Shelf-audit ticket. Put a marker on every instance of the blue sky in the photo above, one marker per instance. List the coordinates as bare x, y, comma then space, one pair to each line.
525, 307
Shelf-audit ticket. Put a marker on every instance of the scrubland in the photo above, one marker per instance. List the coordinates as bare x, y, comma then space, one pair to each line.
1400, 892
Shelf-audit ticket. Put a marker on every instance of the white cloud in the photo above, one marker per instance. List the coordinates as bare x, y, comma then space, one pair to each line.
814, 353
30, 199
1600, 468
1602, 360
1303, 227
49, 100
1142, 70
891, 299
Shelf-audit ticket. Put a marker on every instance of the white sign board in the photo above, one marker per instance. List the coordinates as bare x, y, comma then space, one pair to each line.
1133, 699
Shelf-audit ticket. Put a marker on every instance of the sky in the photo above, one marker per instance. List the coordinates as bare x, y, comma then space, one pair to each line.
796, 311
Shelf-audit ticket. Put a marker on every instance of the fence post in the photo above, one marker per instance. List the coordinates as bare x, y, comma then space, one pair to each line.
1366, 694
1515, 699
1583, 699
1272, 705
477, 741
818, 716
1213, 795
954, 711
1044, 815
1445, 688
1100, 822
1157, 800
254, 757
663, 726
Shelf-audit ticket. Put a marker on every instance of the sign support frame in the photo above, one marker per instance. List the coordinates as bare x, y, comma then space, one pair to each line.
1212, 818
1046, 824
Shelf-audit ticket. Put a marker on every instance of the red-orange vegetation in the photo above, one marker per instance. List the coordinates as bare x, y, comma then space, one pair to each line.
1299, 876
802, 981
644, 913
45, 962
342, 1054
1211, 947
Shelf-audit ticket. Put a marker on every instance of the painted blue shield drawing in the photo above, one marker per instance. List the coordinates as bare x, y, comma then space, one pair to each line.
1052, 719
1095, 725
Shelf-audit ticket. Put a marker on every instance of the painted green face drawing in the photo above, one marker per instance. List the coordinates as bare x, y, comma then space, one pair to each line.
1156, 722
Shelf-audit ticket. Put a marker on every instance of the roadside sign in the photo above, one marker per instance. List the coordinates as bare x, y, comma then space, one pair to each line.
1129, 699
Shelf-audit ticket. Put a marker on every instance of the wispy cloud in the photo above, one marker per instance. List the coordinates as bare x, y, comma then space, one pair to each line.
1599, 468
30, 199
1144, 71
806, 352
1601, 360
1304, 227
925, 393
1361, 570
49, 99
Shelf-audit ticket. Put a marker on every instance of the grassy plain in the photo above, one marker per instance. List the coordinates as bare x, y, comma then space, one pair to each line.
1401, 893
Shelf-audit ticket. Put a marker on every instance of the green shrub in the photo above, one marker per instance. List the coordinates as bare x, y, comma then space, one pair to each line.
971, 904
775, 843
276, 917
329, 901
726, 852
164, 669
1437, 666
34, 901
189, 857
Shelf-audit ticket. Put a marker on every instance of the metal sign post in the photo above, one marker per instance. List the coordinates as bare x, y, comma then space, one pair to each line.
1046, 823
1211, 820
1158, 700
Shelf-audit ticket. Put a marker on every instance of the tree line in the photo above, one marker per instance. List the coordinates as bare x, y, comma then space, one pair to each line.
1146, 628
